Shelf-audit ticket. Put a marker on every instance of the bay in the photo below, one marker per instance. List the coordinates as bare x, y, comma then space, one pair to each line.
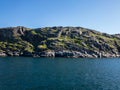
25, 73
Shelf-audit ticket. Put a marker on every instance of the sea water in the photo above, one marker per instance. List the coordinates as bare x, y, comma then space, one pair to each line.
25, 73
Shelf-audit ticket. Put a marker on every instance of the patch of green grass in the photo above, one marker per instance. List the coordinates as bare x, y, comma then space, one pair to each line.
44, 46
33, 32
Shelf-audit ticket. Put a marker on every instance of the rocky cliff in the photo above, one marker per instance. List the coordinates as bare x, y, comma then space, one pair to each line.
75, 42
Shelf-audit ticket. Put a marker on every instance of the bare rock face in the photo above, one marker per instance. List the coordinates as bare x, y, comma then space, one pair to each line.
18, 31
12, 32
2, 54
117, 35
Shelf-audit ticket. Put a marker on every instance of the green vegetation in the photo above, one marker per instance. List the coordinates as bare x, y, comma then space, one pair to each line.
33, 32
44, 46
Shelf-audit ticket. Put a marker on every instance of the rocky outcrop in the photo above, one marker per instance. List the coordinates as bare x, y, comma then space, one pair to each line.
60, 41
12, 33
47, 54
3, 54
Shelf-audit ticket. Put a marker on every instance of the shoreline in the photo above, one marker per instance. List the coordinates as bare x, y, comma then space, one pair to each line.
63, 54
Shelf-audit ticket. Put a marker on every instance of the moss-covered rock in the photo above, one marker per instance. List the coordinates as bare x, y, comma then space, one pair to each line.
21, 41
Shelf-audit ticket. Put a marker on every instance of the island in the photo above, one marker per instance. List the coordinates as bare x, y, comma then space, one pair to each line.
58, 41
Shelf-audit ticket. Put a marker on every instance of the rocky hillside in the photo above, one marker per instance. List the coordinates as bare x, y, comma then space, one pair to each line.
75, 42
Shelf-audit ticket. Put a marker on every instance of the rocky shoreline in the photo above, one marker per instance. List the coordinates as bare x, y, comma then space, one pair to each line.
71, 42
67, 54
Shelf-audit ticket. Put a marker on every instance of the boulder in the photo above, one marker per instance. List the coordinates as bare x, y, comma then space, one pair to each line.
47, 54
2, 54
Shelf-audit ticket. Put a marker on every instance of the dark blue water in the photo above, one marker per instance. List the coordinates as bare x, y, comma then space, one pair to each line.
19, 73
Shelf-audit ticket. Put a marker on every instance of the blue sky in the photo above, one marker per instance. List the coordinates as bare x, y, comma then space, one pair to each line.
101, 15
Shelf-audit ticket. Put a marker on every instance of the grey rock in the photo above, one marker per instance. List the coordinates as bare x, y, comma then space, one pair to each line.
47, 54
2, 54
